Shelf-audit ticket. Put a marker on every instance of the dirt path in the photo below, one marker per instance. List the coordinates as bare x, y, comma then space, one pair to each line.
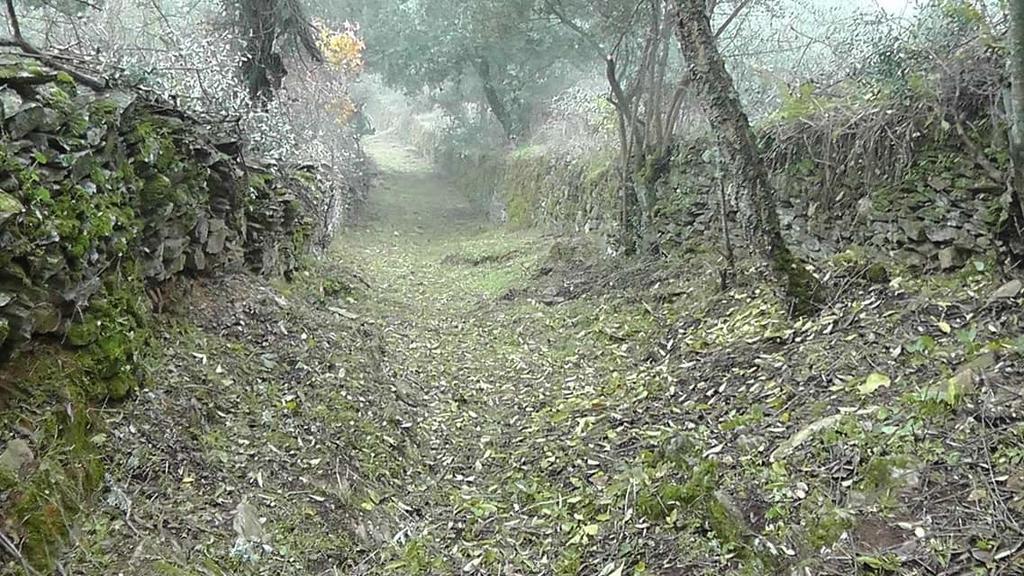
531, 418
501, 387
417, 403
396, 410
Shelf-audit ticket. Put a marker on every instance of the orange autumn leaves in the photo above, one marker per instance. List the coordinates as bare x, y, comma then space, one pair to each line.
343, 52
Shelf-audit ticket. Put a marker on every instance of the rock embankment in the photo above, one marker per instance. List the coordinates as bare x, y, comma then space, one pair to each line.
118, 183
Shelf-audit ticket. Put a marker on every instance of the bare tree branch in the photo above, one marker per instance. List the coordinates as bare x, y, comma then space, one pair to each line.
740, 6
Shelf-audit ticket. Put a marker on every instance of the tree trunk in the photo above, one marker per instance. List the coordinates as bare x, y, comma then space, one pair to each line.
1015, 110
262, 66
755, 195
629, 225
494, 100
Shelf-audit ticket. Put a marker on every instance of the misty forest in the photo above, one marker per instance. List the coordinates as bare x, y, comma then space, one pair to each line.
511, 287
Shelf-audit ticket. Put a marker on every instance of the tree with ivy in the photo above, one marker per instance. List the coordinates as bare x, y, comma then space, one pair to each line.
717, 95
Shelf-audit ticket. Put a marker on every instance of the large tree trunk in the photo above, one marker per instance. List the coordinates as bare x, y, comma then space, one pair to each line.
755, 195
1015, 109
262, 66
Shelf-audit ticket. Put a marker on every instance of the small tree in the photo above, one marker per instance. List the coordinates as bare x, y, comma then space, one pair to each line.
756, 196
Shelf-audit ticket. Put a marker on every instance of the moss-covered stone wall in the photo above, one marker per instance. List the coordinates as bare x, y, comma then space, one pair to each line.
943, 213
118, 184
105, 197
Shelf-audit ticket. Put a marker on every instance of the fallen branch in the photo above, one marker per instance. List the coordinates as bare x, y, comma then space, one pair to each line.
52, 62
8, 546
18, 41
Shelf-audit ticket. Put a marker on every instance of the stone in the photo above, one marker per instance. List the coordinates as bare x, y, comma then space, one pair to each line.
201, 231
729, 506
902, 474
1009, 290
10, 102
16, 457
196, 259
247, 522
46, 318
44, 275
926, 249
750, 442
811, 245
173, 248
982, 363
947, 258
174, 266
942, 234
9, 183
864, 208
20, 322
152, 266
805, 433
80, 293
9, 207
217, 236
913, 229
962, 384
938, 183
48, 264
25, 119
249, 534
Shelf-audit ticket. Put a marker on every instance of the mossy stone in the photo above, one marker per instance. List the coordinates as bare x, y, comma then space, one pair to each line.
83, 333
9, 206
16, 456
46, 318
877, 274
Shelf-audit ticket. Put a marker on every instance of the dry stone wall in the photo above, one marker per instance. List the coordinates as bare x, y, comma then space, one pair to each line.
943, 214
97, 184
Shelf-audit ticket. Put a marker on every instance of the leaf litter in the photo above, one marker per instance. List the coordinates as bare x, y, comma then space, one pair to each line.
484, 401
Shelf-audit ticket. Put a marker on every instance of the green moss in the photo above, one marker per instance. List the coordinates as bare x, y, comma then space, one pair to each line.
115, 361
654, 168
801, 289
109, 363
83, 333
44, 505
102, 112
59, 100
884, 477
9, 205
877, 274
824, 523
523, 181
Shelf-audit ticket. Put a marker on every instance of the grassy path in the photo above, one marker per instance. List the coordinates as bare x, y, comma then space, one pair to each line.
439, 396
664, 427
507, 392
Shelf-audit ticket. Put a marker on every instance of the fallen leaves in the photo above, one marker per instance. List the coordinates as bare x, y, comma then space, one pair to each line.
873, 382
